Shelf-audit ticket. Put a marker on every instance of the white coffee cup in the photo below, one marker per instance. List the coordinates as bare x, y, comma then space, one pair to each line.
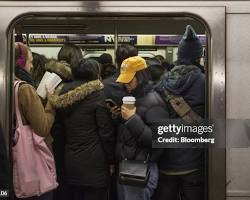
129, 102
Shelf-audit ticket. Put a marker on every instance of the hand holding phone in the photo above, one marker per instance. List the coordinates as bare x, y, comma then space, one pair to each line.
110, 103
113, 107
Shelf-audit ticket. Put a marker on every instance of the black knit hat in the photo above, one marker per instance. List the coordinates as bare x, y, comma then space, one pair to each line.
190, 48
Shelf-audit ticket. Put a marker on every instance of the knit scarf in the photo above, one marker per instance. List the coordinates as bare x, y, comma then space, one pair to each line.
24, 75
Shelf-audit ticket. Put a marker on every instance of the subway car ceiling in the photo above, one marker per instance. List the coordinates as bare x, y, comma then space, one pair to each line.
107, 25
134, 27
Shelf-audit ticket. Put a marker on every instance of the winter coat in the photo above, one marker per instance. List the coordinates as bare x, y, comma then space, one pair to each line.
114, 90
88, 132
135, 135
187, 81
62, 69
33, 112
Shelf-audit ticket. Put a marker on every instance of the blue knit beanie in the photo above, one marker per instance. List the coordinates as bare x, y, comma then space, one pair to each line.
190, 48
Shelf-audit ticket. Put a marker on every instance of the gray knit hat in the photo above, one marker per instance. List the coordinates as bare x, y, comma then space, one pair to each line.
190, 48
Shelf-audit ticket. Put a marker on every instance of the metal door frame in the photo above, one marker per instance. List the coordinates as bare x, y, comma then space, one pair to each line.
212, 17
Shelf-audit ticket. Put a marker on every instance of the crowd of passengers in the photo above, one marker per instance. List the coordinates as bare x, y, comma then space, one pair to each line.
89, 138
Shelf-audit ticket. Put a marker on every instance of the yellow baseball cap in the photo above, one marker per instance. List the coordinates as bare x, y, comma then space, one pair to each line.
129, 67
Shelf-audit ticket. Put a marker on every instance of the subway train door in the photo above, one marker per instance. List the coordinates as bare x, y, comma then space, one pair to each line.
213, 18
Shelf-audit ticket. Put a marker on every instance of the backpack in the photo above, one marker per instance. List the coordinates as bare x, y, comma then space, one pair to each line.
34, 170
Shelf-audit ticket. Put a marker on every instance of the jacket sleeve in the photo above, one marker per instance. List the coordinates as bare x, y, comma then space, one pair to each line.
144, 132
31, 107
58, 134
106, 132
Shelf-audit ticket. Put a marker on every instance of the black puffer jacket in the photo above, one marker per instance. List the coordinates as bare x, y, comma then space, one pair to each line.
187, 81
114, 90
89, 140
135, 135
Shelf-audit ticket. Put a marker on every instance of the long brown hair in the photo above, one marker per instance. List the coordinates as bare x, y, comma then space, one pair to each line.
70, 53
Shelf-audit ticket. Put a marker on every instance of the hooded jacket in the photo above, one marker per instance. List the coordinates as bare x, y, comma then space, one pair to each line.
189, 82
88, 133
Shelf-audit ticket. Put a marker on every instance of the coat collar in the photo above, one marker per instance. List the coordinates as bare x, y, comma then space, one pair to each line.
75, 95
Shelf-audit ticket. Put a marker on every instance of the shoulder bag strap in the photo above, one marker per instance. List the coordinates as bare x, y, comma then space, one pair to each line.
17, 111
182, 108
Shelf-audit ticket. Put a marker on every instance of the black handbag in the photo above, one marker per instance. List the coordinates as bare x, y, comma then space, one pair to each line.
134, 172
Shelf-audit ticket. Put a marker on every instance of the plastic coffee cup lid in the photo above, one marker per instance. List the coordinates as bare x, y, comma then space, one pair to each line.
128, 99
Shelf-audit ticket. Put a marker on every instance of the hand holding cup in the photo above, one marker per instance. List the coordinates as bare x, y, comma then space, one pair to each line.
127, 113
128, 107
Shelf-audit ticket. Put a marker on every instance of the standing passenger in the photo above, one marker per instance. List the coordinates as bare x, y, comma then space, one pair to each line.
135, 132
107, 67
32, 111
182, 170
68, 57
38, 70
116, 91
88, 129
70, 54
156, 70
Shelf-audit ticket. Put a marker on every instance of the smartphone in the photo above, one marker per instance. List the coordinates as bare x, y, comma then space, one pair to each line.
110, 103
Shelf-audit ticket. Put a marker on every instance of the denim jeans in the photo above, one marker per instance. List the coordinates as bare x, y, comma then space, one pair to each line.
126, 192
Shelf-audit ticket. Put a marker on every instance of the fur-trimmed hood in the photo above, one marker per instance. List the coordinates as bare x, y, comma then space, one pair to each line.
77, 94
61, 68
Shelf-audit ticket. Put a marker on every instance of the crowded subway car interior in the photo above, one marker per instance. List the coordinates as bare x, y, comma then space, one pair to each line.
155, 34
152, 36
